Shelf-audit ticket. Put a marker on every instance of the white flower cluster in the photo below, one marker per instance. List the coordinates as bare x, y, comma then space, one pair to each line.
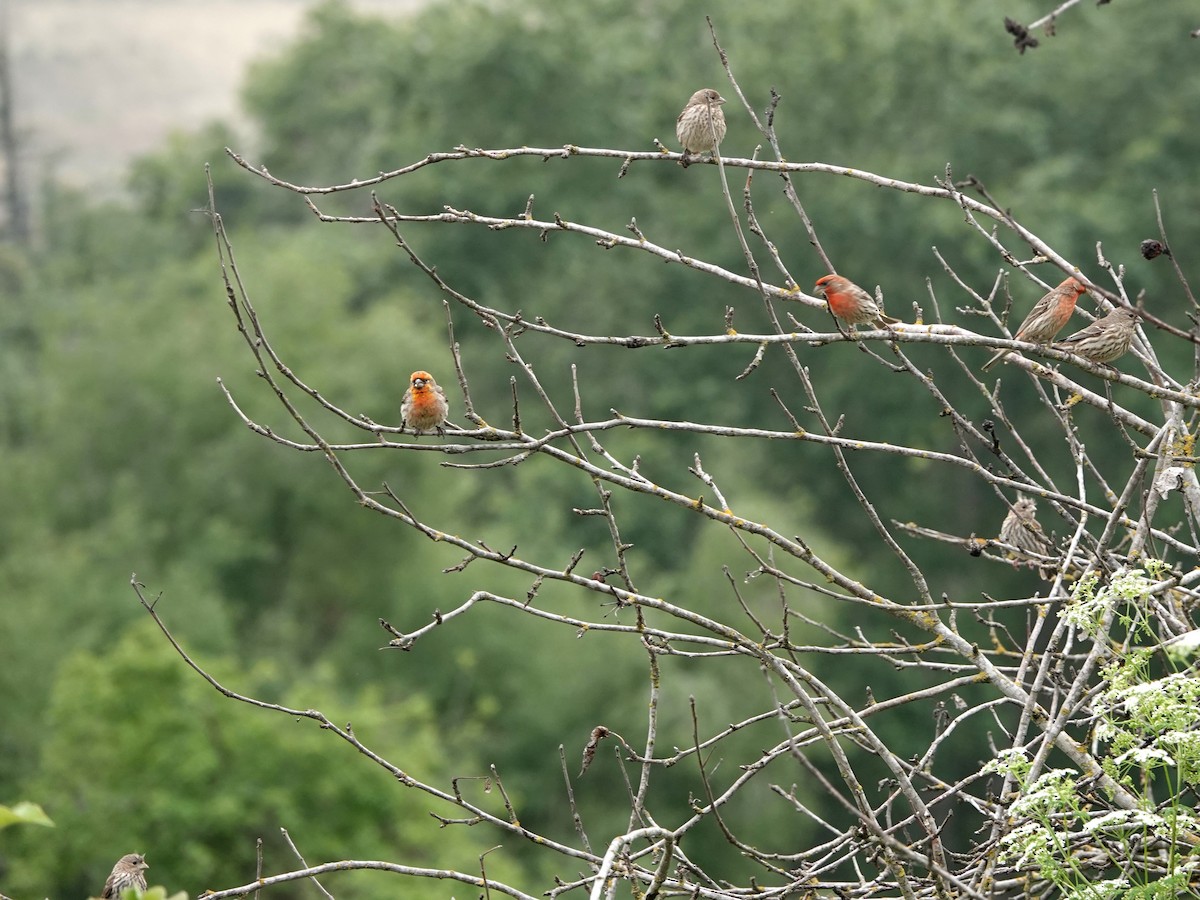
1089, 607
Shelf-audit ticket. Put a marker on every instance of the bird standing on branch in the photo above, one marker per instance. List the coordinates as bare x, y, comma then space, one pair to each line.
424, 407
1047, 317
701, 125
127, 873
1022, 530
850, 303
1105, 339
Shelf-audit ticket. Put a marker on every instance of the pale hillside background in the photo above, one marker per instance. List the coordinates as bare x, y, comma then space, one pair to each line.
99, 82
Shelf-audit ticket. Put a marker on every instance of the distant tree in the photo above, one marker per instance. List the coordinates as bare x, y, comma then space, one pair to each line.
144, 747
16, 203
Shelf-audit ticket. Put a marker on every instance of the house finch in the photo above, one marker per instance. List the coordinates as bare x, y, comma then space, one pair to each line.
701, 125
850, 303
1047, 317
424, 406
127, 873
1105, 339
1021, 530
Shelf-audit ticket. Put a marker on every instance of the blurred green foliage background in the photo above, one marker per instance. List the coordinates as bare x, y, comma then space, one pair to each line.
120, 454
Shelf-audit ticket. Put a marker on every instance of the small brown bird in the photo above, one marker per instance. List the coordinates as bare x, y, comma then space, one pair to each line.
1021, 530
850, 303
1047, 317
127, 873
424, 407
1105, 339
701, 125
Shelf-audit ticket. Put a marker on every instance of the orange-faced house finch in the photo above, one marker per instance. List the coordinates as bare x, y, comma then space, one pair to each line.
1047, 317
1105, 339
424, 407
850, 303
127, 873
1021, 530
701, 125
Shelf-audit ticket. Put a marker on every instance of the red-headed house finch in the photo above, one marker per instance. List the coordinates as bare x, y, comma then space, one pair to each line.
850, 303
1105, 339
1047, 317
424, 407
701, 125
127, 873
1021, 530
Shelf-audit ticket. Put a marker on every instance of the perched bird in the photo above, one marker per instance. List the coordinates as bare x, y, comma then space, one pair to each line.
850, 303
424, 407
1105, 339
701, 125
127, 873
1047, 317
1021, 530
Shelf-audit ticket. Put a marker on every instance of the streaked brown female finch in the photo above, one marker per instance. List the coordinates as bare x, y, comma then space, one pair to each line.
1047, 317
424, 407
1105, 339
1021, 530
850, 303
701, 125
127, 873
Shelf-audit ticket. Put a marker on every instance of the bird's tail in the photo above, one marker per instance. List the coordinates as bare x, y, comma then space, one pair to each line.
995, 359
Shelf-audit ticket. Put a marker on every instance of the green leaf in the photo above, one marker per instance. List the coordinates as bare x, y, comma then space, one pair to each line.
24, 813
